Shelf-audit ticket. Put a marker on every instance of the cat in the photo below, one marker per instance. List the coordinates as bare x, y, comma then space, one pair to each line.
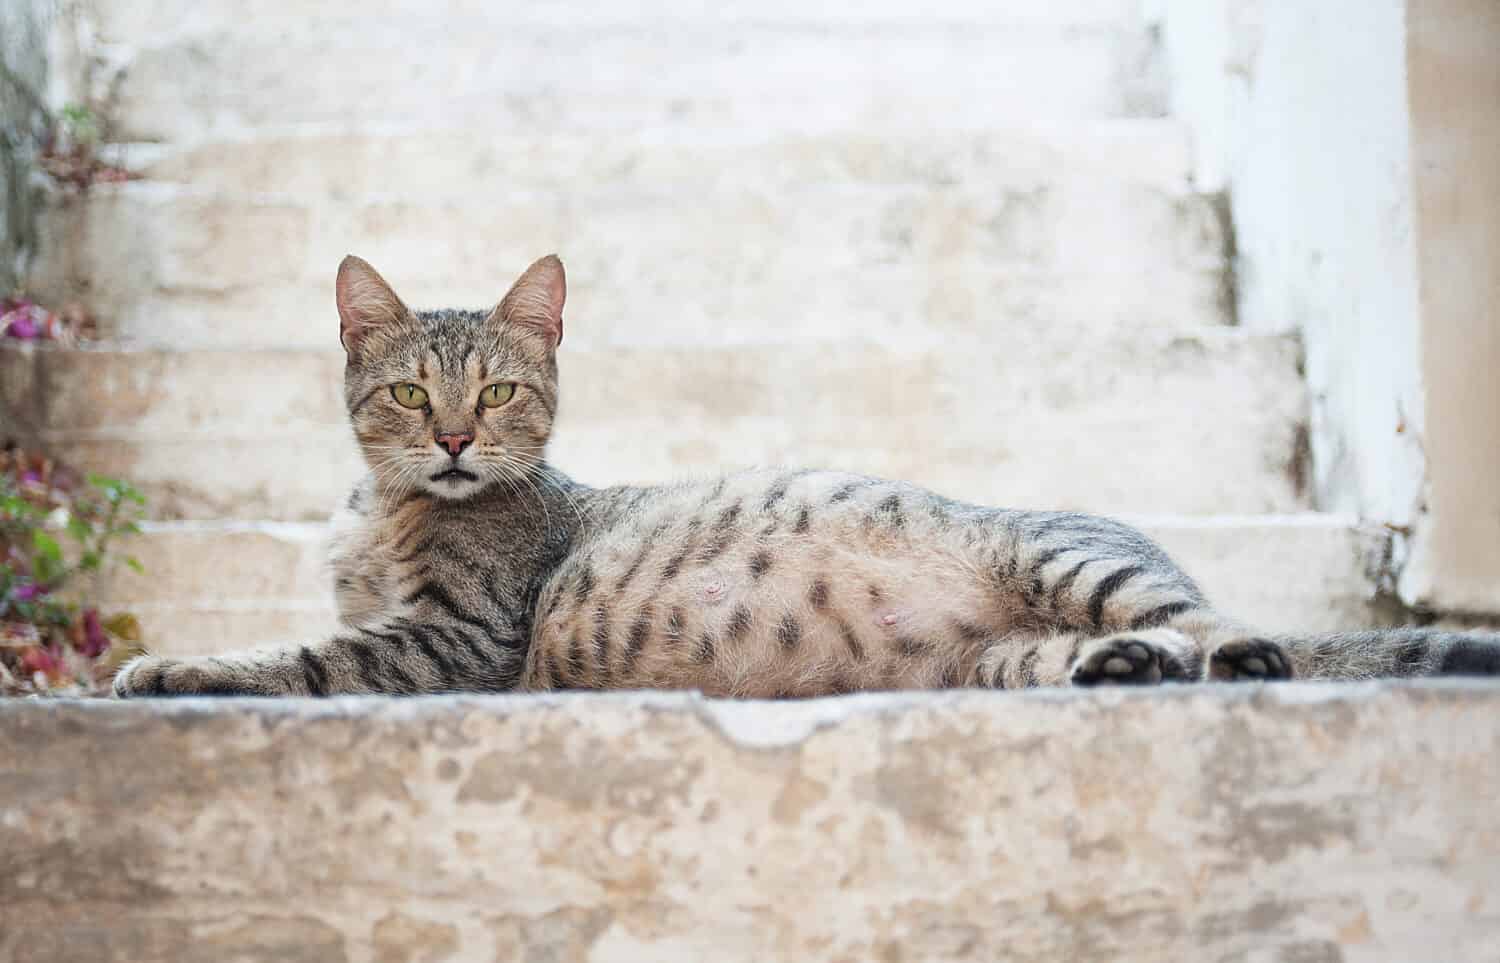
464, 562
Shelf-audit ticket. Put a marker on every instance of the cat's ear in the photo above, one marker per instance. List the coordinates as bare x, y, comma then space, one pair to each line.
536, 299
365, 301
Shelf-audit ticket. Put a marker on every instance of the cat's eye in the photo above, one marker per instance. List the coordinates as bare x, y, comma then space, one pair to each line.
496, 395
409, 395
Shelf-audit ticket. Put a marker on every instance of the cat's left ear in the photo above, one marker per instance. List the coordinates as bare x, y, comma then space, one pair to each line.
536, 299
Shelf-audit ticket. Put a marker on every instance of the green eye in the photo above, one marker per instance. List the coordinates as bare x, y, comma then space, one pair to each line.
409, 395
496, 395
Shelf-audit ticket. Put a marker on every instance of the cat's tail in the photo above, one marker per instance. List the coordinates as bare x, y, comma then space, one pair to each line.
1393, 653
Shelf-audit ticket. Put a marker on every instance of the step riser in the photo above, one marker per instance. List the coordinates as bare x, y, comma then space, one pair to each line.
208, 590
893, 306
204, 630
899, 265
314, 162
1187, 425
1205, 823
148, 22
626, 79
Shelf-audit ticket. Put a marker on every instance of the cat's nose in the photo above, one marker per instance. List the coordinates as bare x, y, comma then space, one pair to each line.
454, 442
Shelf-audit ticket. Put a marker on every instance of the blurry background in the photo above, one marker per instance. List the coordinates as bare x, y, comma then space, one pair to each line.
1229, 268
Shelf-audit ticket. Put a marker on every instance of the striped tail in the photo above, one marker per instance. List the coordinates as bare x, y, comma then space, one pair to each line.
1393, 653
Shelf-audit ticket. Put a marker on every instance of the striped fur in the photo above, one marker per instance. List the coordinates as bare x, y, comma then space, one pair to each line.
488, 570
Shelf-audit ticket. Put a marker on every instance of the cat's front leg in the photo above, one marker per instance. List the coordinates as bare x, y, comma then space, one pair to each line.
246, 674
400, 658
315, 670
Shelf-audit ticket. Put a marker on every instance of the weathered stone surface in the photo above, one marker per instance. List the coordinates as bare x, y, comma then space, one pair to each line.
959, 72
1291, 822
896, 245
1189, 423
321, 162
221, 586
150, 21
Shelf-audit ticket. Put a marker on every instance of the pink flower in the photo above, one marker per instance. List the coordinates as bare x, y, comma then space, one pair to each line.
28, 321
26, 592
95, 642
47, 661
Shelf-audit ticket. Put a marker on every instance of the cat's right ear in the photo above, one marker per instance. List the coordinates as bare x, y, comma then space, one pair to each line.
365, 301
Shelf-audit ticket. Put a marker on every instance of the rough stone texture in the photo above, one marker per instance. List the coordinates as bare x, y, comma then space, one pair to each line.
1291, 822
220, 586
1191, 423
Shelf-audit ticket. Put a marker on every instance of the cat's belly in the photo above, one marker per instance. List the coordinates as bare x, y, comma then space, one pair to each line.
735, 596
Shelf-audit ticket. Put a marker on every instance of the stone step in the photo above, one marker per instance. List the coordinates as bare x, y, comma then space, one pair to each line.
216, 586
334, 161
213, 73
1287, 822
1197, 424
145, 22
879, 254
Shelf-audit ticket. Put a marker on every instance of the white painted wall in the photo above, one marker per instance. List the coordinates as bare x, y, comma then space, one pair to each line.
1303, 114
1453, 58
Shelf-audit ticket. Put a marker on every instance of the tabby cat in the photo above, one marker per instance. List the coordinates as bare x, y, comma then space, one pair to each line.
464, 562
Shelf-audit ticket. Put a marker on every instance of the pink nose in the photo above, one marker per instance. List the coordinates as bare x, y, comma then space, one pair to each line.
455, 443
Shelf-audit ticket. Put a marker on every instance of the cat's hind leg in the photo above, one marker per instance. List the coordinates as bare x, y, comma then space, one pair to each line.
1233, 652
1146, 657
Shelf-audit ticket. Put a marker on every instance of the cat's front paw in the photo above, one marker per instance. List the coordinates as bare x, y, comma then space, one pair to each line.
149, 675
1249, 660
1125, 660
144, 675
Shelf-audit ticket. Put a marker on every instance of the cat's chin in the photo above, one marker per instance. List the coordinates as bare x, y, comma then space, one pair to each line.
456, 485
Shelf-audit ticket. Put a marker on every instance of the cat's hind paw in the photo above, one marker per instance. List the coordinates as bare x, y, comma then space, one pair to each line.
1249, 660
1125, 660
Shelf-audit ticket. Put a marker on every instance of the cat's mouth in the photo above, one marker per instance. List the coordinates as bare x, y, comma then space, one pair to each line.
455, 475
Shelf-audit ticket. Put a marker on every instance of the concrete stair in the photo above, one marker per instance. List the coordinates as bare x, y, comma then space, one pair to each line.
955, 244
1189, 423
608, 67
1286, 822
893, 239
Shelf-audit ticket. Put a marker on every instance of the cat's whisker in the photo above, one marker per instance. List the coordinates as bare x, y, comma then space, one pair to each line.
520, 476
548, 473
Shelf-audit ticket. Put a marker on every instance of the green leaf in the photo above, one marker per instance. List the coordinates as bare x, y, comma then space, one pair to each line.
79, 528
135, 564
47, 559
90, 561
55, 613
46, 546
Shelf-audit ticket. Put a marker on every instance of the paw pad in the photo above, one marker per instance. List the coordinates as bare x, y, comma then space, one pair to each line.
1249, 660
1120, 662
